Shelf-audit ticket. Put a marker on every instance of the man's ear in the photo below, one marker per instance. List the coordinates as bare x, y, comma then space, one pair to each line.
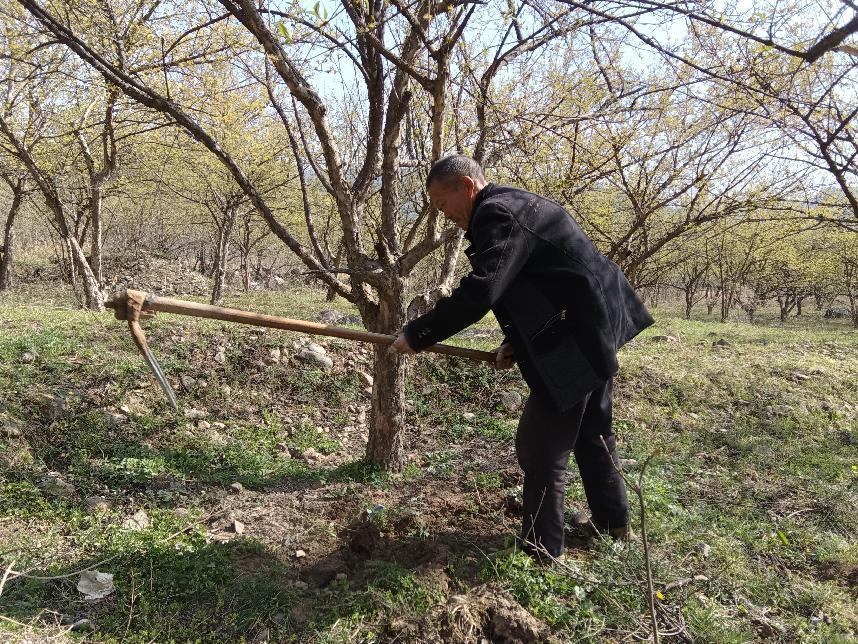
469, 185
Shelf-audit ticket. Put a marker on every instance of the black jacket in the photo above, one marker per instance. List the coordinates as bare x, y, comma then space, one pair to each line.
563, 305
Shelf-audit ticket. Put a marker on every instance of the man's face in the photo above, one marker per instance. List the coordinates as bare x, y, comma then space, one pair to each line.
454, 198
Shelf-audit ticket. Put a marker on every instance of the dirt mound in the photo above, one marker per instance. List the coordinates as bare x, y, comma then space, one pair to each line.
486, 612
160, 276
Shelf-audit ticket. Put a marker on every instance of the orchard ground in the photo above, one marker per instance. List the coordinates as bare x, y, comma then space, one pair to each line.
752, 492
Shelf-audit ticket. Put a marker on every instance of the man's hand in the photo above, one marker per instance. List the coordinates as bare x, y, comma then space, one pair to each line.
400, 345
504, 357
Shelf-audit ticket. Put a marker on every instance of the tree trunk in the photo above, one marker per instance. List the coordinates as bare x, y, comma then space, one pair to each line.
8, 254
91, 288
384, 444
331, 295
219, 266
95, 249
689, 303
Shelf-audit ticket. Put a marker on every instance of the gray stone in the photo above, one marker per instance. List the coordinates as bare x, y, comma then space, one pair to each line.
237, 526
188, 382
203, 425
56, 486
10, 429
511, 400
96, 504
315, 359
627, 463
317, 348
329, 316
220, 355
664, 338
236, 488
137, 521
28, 357
195, 414
704, 549
274, 355
114, 419
723, 342
468, 415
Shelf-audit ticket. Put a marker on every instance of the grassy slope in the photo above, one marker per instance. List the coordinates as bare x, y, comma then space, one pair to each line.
754, 485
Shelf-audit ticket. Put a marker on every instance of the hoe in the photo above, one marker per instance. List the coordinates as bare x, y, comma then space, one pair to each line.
134, 306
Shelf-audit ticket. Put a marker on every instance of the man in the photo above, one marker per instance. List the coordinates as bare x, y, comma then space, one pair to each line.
565, 309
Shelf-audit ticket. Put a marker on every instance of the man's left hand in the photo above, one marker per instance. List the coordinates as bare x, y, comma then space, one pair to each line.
400, 345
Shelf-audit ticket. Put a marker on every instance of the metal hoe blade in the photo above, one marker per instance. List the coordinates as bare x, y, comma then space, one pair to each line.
131, 309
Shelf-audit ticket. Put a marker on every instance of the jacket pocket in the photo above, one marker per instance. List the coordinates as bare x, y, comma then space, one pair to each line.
557, 355
550, 335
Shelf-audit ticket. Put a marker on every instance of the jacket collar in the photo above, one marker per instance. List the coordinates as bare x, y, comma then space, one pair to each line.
481, 196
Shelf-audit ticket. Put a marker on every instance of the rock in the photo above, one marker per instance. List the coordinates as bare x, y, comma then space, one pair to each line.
261, 637
195, 414
237, 526
704, 549
203, 425
96, 504
236, 488
81, 625
365, 378
579, 518
56, 486
188, 382
315, 359
801, 377
137, 521
628, 463
220, 355
113, 419
226, 390
511, 400
95, 585
311, 456
219, 425
300, 554
368, 391
28, 357
721, 343
329, 316
468, 415
341, 576
664, 338
10, 429
360, 419
274, 355
316, 348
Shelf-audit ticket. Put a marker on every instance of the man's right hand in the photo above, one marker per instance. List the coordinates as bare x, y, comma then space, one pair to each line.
504, 357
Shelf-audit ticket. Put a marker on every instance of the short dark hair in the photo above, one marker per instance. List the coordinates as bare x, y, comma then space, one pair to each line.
455, 165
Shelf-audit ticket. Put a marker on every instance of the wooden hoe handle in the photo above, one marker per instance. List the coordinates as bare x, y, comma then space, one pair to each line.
134, 305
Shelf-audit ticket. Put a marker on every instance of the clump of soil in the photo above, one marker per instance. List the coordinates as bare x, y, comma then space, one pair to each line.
485, 612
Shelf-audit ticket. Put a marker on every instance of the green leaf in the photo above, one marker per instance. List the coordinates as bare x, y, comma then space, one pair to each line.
285, 33
317, 9
783, 538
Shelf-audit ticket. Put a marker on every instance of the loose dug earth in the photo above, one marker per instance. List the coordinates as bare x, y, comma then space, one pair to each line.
486, 612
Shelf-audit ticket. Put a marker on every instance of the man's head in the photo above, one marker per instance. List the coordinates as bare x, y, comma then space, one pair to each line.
453, 184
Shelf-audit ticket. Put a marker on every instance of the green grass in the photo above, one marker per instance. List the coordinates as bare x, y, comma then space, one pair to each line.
754, 484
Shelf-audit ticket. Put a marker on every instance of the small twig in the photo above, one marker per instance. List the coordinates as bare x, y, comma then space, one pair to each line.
131, 607
637, 488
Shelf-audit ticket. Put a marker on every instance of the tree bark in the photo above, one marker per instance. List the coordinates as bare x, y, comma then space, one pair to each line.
95, 263
384, 444
8, 255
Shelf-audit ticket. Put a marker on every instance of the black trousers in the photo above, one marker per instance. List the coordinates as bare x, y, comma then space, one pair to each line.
543, 443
